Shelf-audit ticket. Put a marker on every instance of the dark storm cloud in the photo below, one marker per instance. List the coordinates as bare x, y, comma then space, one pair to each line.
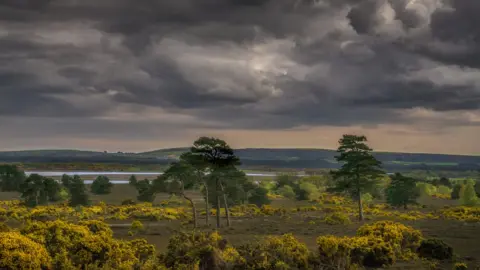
249, 64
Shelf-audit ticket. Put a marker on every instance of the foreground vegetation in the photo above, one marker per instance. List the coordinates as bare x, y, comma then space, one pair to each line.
355, 217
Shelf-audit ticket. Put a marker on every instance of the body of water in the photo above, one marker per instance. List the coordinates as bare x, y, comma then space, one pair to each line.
92, 173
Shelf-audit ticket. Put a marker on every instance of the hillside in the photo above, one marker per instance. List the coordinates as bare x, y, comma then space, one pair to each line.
251, 157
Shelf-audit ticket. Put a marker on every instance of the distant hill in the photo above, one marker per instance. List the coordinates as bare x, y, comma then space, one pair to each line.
251, 157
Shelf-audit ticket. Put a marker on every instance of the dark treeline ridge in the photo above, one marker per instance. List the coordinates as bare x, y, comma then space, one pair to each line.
252, 158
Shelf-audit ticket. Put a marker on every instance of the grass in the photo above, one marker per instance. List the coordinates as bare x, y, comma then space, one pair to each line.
462, 237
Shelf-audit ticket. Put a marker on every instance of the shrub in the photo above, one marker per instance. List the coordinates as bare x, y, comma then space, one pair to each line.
349, 252
19, 252
97, 227
142, 249
337, 218
190, 250
4, 227
287, 192
75, 246
403, 239
272, 252
307, 191
136, 227
435, 249
460, 266
468, 196
259, 197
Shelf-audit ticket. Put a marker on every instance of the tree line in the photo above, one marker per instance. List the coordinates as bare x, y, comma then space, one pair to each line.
211, 166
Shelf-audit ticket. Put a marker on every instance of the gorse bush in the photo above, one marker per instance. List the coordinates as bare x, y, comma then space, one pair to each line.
136, 227
351, 252
275, 252
90, 243
192, 250
20, 252
403, 239
337, 218
375, 245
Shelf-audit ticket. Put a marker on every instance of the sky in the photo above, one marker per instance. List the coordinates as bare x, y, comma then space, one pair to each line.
130, 75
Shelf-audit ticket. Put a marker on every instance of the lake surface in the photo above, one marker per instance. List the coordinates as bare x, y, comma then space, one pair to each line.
92, 173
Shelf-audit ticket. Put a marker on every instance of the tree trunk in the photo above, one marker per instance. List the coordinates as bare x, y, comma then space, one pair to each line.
227, 212
405, 206
360, 206
218, 205
194, 210
207, 207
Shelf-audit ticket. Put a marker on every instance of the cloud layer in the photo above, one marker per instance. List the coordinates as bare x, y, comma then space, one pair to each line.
152, 65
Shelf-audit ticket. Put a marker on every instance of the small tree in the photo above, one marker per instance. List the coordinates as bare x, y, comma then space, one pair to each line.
360, 169
146, 191
52, 189
66, 180
132, 181
445, 182
468, 197
457, 188
33, 190
11, 178
101, 185
78, 192
402, 191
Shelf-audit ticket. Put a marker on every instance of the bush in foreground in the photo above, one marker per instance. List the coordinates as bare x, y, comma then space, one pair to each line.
198, 249
276, 252
375, 245
85, 245
19, 252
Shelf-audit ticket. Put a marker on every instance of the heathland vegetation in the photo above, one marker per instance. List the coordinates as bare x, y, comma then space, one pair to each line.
205, 213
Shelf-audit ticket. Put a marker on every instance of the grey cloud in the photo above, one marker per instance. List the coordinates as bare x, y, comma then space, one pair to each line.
249, 64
